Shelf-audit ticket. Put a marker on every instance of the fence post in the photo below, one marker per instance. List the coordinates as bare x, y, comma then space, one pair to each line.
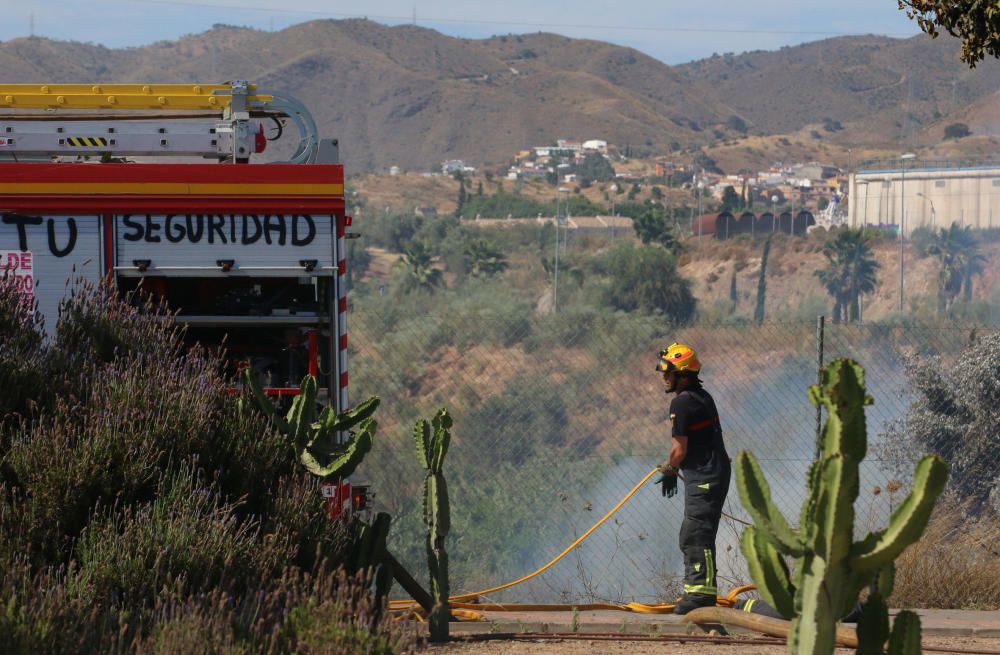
820, 321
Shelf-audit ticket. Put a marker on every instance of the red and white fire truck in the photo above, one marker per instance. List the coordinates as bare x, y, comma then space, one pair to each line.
159, 186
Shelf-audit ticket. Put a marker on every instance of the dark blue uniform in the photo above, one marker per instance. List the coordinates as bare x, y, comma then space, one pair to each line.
707, 470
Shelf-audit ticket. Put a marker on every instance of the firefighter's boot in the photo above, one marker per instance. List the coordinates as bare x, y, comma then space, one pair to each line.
693, 601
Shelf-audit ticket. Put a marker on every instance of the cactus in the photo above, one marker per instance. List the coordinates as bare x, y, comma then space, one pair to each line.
316, 439
368, 551
873, 626
432, 441
830, 569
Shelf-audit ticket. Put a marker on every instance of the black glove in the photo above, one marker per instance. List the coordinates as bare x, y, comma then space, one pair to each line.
668, 485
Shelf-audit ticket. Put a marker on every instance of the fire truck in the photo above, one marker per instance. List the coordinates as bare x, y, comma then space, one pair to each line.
164, 187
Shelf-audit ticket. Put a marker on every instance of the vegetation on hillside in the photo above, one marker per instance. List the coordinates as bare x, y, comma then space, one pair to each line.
849, 272
958, 254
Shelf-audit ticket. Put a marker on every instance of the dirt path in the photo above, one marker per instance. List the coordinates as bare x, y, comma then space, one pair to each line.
960, 644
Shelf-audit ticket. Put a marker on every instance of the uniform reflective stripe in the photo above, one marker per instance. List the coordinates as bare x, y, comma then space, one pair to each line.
709, 567
749, 606
703, 424
699, 589
704, 486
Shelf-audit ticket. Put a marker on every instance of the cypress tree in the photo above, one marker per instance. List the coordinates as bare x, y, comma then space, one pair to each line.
461, 197
758, 312
733, 297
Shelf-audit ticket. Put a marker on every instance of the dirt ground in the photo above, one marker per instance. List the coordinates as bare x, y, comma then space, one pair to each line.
552, 647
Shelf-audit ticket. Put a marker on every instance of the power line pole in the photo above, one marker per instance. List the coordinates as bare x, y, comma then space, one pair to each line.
902, 221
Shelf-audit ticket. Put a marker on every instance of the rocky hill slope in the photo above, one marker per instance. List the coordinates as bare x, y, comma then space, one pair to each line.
411, 96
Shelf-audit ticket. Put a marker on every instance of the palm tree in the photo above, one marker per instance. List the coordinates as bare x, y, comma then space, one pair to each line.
957, 250
850, 272
484, 258
420, 266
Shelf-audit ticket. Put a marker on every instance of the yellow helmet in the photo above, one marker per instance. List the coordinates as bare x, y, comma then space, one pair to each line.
678, 357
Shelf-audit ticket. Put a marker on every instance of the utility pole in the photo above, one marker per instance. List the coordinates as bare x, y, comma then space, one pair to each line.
700, 211
902, 221
555, 279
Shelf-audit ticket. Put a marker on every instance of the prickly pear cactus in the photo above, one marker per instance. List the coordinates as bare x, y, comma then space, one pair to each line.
830, 567
432, 440
315, 439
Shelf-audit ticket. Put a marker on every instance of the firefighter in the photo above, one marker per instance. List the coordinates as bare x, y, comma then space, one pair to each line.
698, 453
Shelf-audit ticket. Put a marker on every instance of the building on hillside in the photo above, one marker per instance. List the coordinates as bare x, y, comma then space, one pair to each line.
814, 171
596, 145
770, 178
452, 166
569, 145
394, 170
932, 194
663, 167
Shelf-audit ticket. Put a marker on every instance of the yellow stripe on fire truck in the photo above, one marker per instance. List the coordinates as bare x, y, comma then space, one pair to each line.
86, 141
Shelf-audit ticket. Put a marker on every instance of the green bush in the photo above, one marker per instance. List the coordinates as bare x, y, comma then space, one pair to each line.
141, 511
645, 278
532, 407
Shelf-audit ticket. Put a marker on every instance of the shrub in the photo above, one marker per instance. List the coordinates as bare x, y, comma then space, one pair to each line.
736, 124
646, 279
186, 532
955, 565
956, 131
141, 511
530, 407
22, 369
954, 414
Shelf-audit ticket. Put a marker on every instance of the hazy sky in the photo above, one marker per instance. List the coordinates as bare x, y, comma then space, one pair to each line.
674, 31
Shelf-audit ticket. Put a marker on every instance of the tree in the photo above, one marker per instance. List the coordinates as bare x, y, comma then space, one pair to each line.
645, 278
831, 125
461, 196
736, 124
758, 311
703, 161
733, 295
955, 411
594, 168
731, 201
956, 131
358, 260
651, 225
849, 272
957, 251
484, 258
420, 270
976, 22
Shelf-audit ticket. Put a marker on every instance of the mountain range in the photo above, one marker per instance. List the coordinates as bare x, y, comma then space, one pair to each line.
411, 96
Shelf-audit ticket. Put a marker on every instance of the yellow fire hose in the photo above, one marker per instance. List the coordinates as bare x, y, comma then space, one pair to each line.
466, 610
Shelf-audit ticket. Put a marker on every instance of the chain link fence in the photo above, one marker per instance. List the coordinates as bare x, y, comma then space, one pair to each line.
557, 417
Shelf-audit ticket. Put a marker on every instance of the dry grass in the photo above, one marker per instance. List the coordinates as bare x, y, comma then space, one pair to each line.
956, 565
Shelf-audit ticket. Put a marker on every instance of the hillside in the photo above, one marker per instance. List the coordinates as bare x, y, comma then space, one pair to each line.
411, 97
880, 89
407, 95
